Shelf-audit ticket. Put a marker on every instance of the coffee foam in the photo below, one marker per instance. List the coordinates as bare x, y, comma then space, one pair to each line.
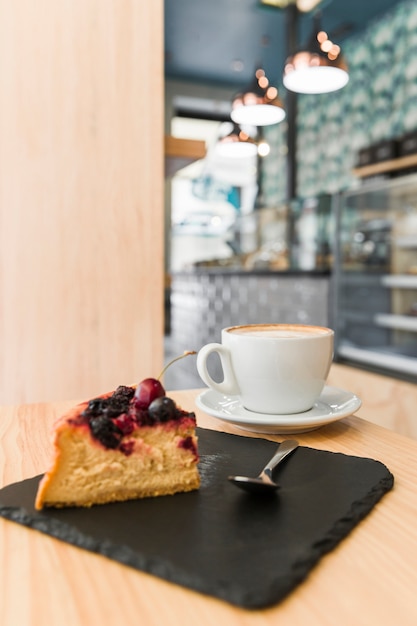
280, 331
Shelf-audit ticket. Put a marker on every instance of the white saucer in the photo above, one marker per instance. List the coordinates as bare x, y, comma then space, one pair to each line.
332, 405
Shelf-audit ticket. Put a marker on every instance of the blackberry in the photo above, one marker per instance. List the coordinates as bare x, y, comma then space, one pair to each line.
96, 406
112, 406
105, 431
123, 394
119, 402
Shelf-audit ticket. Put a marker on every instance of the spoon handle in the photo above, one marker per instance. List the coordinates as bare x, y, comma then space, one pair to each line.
285, 448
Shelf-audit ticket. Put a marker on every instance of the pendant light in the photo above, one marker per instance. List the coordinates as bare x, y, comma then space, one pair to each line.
236, 144
259, 105
302, 5
319, 68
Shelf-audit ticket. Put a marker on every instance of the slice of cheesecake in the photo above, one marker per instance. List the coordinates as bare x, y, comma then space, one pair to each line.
111, 449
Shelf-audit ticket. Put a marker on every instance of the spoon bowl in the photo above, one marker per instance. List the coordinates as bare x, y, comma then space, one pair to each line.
263, 483
254, 485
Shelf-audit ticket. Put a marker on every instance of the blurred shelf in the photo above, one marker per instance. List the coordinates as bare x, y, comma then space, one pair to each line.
408, 242
386, 166
377, 358
350, 278
399, 322
358, 317
402, 281
181, 152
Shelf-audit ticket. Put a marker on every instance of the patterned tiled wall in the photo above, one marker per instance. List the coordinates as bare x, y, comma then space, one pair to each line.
379, 102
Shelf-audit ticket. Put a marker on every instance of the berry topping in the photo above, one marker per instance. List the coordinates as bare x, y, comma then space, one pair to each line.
96, 406
122, 395
111, 406
151, 388
119, 401
162, 409
147, 391
125, 423
105, 431
114, 417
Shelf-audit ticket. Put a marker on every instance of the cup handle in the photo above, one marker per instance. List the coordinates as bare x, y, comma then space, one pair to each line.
229, 384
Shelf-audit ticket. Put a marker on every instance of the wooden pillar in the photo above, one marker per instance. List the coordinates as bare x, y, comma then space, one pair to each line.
81, 196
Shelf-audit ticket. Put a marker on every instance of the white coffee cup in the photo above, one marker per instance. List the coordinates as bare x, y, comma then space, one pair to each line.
273, 368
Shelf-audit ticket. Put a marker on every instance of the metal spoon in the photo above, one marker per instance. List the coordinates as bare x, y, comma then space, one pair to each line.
264, 483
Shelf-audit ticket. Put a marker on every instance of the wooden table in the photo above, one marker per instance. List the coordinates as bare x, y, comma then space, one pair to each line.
369, 579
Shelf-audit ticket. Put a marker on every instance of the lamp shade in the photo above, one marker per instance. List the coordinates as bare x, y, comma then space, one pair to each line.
236, 144
320, 68
259, 105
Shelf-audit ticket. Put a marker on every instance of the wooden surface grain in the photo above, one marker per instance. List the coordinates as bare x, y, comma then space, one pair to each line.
370, 578
386, 401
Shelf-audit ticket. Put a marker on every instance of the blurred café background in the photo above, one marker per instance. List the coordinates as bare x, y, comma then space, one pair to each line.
143, 207
318, 225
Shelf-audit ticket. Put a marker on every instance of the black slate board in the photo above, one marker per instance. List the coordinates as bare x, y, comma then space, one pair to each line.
248, 550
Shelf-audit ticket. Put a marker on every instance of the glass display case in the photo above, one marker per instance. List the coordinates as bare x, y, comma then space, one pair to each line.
311, 233
375, 314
